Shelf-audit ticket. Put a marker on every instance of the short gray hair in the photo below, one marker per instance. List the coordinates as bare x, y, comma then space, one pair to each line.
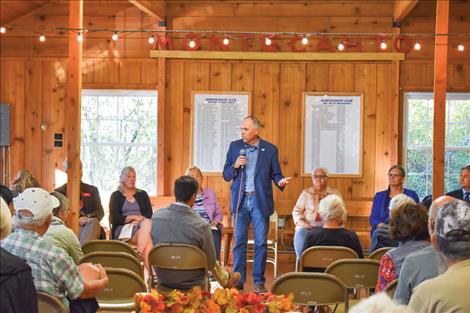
321, 168
332, 208
379, 303
64, 203
256, 122
399, 200
21, 221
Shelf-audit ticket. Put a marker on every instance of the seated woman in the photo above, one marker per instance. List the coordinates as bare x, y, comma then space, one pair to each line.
60, 235
408, 225
24, 179
305, 212
131, 206
380, 215
333, 214
208, 208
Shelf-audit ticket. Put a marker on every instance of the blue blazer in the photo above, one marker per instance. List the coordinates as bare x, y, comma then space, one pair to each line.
267, 169
380, 212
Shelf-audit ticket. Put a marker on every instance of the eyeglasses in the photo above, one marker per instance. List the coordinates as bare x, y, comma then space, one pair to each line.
319, 177
393, 175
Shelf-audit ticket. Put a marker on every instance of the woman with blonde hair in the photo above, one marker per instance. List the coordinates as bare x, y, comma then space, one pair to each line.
24, 179
131, 206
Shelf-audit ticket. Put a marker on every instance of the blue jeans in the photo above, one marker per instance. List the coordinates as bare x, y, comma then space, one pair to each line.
247, 214
299, 240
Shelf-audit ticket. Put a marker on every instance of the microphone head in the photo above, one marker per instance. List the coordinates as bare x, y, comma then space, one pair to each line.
242, 152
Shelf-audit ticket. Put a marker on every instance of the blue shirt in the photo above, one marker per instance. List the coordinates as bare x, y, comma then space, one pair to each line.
252, 157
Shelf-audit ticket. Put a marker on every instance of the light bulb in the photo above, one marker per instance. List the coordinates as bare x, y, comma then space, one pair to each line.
3, 30
151, 40
226, 41
79, 37
42, 38
115, 36
461, 47
417, 46
341, 46
267, 41
192, 43
383, 45
305, 40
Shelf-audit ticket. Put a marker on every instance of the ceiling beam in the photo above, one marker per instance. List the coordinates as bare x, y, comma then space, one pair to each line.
402, 8
151, 8
32, 12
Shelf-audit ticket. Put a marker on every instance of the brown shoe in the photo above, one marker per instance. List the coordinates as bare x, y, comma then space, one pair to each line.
232, 280
260, 289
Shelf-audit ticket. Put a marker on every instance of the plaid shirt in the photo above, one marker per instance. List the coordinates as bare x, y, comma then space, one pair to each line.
54, 272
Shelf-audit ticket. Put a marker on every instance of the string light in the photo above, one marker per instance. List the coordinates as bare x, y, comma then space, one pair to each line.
151, 40
383, 45
417, 46
267, 41
115, 36
3, 30
192, 43
42, 38
79, 37
341, 46
461, 48
226, 41
305, 40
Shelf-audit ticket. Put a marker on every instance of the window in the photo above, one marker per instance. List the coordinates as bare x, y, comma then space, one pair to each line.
418, 124
119, 128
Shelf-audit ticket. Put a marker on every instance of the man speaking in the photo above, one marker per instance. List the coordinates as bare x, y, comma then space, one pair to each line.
252, 163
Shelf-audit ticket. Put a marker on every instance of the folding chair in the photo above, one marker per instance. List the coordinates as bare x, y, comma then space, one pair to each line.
108, 245
356, 273
377, 254
271, 244
391, 288
115, 260
322, 256
50, 304
178, 257
118, 296
312, 289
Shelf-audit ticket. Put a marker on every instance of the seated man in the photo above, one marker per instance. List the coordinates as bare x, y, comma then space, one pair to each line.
464, 192
179, 223
91, 210
54, 272
449, 291
423, 264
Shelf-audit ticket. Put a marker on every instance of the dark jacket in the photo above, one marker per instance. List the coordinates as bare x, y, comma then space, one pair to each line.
457, 194
90, 197
18, 294
116, 203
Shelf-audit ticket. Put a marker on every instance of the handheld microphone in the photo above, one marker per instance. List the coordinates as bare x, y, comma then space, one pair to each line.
242, 153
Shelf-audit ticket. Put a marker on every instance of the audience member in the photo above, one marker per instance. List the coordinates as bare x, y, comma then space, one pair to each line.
53, 270
131, 206
179, 223
381, 237
18, 294
208, 208
449, 291
305, 211
380, 213
333, 214
24, 179
408, 225
91, 210
423, 264
379, 303
464, 192
7, 196
60, 235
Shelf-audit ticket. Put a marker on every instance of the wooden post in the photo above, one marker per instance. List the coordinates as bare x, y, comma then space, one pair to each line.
73, 109
161, 85
440, 87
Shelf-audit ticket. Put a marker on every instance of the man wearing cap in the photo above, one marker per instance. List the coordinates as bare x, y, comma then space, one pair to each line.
464, 192
54, 272
91, 210
449, 291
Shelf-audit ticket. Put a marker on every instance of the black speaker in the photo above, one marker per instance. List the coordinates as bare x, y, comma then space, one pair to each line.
4, 125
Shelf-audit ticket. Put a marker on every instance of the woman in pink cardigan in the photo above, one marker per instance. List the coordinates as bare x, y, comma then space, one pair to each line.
208, 208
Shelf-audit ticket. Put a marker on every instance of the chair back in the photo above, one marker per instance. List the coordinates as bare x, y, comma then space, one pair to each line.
355, 273
123, 285
322, 256
377, 254
115, 260
391, 288
50, 304
312, 289
108, 245
179, 256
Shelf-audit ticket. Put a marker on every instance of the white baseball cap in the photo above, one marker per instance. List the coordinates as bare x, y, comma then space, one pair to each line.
37, 201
